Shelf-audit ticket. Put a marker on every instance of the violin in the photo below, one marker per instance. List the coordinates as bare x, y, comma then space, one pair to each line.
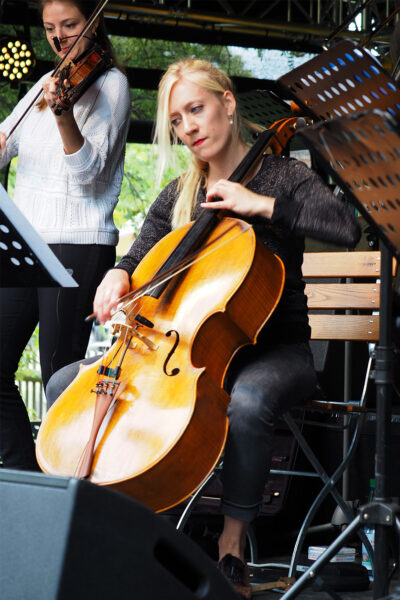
62, 62
77, 76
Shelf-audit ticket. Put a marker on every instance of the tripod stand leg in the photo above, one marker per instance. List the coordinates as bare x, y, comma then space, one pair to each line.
309, 576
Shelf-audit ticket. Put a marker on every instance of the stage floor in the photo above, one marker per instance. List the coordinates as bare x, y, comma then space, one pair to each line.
310, 594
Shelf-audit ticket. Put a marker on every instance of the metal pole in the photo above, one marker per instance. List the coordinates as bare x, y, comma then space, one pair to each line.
383, 380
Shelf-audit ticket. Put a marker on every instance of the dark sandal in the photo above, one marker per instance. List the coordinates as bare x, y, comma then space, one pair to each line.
237, 574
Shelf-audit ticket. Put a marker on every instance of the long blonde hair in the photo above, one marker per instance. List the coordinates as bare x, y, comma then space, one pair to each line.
208, 76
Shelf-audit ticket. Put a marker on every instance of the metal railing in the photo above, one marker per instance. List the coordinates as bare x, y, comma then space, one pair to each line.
31, 387
31, 390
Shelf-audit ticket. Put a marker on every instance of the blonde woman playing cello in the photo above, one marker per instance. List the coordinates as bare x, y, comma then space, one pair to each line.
284, 201
69, 174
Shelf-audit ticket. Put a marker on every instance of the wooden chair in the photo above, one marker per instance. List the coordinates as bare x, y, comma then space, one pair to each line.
349, 295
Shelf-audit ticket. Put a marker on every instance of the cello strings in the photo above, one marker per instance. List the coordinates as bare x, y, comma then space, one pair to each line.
189, 261
145, 289
162, 278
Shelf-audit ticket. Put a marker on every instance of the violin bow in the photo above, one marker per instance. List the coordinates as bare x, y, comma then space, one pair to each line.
347, 20
352, 16
88, 24
381, 25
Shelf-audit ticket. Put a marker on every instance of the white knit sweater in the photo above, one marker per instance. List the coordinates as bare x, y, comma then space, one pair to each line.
70, 198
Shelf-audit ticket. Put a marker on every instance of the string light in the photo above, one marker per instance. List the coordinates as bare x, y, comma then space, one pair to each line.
16, 60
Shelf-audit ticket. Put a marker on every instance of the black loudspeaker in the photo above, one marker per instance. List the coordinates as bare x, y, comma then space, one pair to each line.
63, 539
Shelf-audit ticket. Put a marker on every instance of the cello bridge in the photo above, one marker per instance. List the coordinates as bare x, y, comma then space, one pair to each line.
119, 325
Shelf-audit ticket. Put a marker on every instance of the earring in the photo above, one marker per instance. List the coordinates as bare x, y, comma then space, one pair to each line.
230, 119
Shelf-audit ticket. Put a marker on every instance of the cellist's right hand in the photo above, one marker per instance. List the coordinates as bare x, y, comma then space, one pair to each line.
3, 142
115, 284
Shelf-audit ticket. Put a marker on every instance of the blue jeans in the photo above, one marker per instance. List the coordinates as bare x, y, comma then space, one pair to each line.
263, 385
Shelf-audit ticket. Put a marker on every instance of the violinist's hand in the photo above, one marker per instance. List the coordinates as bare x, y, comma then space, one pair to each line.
238, 199
71, 136
115, 284
49, 88
50, 94
3, 142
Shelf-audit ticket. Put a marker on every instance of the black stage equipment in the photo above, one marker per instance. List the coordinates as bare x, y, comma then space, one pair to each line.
361, 151
264, 108
339, 82
64, 538
25, 259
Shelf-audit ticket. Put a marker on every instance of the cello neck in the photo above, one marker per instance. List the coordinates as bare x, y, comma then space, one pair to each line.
208, 219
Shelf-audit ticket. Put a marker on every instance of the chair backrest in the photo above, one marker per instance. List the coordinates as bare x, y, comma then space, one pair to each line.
351, 295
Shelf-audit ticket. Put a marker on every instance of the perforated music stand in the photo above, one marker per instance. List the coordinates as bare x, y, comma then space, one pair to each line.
362, 154
25, 259
337, 84
264, 108
342, 81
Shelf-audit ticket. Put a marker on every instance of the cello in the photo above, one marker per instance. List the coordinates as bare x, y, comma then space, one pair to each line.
149, 418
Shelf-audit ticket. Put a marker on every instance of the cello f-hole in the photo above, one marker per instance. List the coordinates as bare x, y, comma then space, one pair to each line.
174, 371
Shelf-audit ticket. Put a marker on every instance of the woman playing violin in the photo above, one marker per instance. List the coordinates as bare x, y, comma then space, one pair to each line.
284, 201
69, 174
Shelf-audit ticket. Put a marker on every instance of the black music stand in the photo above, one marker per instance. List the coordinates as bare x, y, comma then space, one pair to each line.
362, 154
339, 82
264, 108
25, 259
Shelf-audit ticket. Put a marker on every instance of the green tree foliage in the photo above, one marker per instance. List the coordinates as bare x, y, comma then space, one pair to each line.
28, 365
159, 54
139, 187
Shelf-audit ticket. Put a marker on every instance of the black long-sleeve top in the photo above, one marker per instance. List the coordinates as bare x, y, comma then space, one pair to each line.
304, 206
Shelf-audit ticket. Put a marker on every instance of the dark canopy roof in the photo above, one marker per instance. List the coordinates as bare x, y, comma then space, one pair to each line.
281, 24
275, 24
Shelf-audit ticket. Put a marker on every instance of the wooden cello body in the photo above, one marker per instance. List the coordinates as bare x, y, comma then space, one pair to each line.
165, 431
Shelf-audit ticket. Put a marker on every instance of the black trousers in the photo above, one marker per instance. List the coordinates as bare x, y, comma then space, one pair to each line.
263, 385
63, 338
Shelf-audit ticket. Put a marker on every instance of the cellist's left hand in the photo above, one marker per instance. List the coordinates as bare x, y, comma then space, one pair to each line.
238, 199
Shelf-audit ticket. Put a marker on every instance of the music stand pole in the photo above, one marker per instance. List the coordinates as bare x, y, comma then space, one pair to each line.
383, 379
